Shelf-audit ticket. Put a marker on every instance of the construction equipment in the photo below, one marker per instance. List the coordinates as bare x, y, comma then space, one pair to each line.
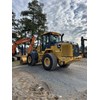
52, 50
21, 41
23, 58
83, 48
18, 42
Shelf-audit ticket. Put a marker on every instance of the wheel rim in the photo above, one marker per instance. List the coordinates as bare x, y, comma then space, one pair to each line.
47, 62
29, 59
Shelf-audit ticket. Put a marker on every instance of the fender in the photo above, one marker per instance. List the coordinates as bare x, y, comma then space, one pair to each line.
34, 55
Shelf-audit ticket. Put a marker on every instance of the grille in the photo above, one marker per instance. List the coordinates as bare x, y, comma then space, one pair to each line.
67, 50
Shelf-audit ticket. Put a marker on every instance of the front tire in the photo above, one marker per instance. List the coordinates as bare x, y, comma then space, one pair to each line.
30, 60
49, 61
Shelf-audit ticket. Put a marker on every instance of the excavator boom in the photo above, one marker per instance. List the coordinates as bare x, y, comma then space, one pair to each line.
21, 41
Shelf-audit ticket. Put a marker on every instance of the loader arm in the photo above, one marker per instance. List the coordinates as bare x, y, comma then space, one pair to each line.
31, 44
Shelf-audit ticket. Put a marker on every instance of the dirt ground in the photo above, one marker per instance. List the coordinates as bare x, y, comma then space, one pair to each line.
27, 87
34, 83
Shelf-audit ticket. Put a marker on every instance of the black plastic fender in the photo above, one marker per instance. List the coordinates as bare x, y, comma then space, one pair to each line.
34, 55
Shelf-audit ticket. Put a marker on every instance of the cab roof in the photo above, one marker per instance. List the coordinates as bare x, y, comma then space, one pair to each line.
53, 33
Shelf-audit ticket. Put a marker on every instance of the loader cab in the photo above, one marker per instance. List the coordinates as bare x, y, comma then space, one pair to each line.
49, 39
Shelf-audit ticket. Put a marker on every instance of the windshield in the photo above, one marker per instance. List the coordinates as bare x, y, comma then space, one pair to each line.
55, 38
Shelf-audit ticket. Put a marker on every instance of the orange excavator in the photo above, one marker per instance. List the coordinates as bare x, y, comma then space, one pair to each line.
23, 58
21, 41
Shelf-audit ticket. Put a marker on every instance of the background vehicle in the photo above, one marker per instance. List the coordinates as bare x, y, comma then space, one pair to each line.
22, 56
21, 41
83, 47
18, 42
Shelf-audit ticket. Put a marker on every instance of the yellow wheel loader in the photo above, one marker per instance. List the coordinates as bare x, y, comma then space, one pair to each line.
52, 50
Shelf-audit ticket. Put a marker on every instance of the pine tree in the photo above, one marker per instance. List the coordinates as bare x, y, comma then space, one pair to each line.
16, 27
14, 23
33, 20
14, 35
13, 19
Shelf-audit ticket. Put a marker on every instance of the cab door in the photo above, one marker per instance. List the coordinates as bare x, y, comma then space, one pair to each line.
45, 42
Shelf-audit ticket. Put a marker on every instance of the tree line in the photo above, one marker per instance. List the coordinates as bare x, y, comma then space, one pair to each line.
32, 21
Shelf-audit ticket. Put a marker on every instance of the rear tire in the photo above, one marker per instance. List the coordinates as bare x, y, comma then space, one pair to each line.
49, 61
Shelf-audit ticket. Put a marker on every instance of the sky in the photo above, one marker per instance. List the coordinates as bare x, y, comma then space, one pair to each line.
64, 16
